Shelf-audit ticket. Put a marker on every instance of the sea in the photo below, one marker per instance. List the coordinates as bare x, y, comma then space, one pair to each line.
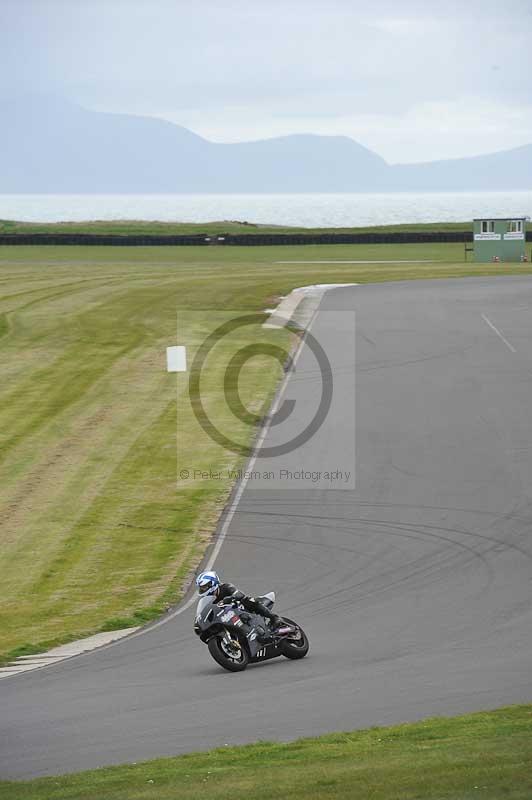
304, 210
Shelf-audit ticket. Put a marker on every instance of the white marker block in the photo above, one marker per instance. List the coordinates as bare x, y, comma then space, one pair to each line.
176, 359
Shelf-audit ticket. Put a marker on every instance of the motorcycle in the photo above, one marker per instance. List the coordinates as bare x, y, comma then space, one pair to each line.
236, 637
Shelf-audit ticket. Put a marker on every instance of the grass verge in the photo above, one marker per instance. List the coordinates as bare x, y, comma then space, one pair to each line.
486, 755
97, 529
223, 226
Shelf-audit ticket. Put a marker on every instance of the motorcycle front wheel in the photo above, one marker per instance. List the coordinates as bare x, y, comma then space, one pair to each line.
228, 652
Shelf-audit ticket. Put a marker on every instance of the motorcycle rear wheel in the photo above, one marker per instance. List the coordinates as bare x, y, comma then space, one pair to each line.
222, 654
295, 648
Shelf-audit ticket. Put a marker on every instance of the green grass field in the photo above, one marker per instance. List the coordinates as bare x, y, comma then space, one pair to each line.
97, 531
223, 226
486, 756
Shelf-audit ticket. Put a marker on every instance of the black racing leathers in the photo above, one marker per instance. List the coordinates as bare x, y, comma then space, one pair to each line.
227, 590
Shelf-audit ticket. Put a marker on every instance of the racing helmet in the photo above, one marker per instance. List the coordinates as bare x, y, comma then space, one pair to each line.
207, 583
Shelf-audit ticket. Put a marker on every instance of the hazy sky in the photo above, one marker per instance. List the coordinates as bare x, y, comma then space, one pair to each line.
411, 80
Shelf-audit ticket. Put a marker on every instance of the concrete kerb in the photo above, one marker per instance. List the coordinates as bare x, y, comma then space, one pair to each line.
300, 305
64, 651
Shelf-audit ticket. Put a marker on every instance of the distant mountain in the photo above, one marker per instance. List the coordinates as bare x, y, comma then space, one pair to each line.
50, 145
508, 169
54, 146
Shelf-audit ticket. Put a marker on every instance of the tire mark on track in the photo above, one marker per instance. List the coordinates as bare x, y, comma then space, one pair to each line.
410, 526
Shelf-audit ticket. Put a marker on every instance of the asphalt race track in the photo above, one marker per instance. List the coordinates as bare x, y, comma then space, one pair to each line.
415, 586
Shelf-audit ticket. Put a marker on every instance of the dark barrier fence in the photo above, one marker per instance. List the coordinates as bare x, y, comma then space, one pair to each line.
130, 240
242, 239
403, 237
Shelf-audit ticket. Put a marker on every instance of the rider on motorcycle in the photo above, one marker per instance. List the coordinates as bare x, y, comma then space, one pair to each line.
208, 583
